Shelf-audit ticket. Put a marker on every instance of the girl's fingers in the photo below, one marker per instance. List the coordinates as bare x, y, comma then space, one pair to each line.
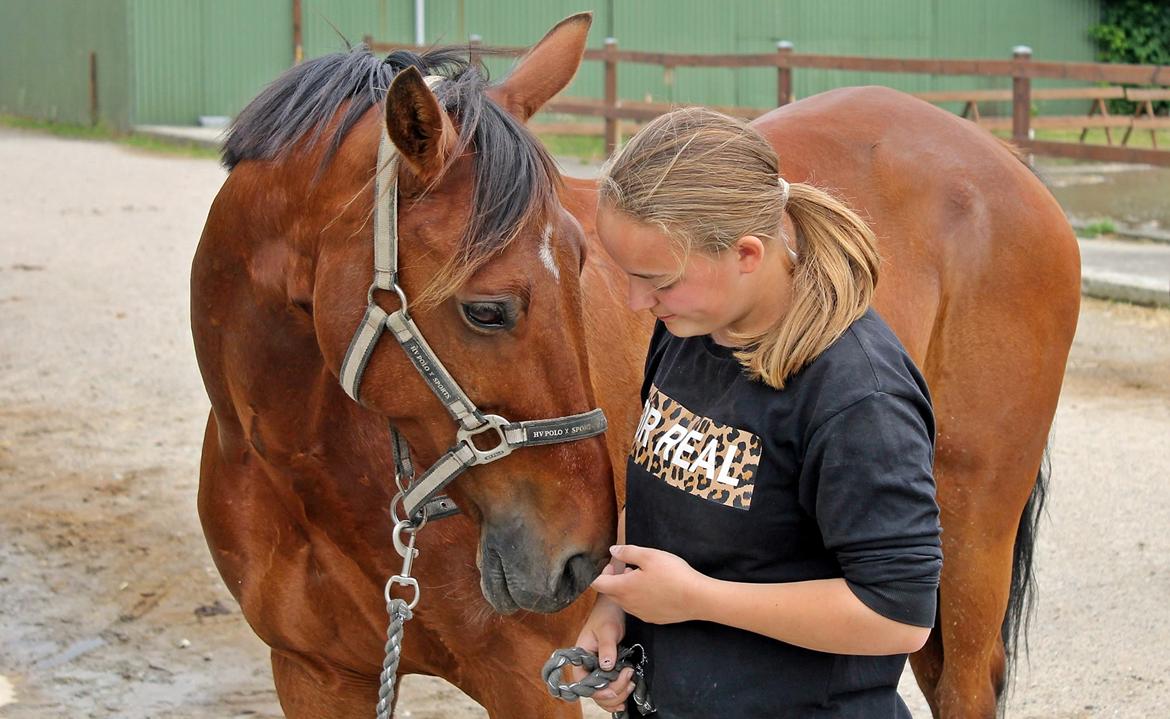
618, 690
619, 704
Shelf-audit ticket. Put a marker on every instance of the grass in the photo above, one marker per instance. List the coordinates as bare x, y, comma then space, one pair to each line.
102, 133
586, 148
591, 148
1097, 228
1140, 139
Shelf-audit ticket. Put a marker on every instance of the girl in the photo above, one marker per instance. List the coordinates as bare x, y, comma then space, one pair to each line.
779, 550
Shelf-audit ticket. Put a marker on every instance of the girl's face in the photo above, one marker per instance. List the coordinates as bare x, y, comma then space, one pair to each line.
709, 296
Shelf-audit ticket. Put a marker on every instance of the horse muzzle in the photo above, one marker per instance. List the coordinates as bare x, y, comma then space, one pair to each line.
515, 574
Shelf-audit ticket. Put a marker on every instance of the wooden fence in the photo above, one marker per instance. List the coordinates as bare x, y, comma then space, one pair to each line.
1021, 68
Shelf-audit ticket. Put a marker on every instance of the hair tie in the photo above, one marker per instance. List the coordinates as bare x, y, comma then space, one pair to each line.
784, 187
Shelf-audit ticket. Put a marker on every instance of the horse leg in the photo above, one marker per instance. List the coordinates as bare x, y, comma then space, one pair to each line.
980, 529
927, 665
308, 690
985, 470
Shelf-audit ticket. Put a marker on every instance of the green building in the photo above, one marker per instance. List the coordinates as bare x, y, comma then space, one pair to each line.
133, 62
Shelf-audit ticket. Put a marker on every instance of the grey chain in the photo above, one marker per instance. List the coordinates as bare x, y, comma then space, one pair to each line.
597, 678
400, 613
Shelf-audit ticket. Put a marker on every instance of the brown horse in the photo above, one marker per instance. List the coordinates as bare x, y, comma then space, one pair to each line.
297, 480
981, 283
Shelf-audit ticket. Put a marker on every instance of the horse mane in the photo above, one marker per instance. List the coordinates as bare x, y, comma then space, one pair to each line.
516, 179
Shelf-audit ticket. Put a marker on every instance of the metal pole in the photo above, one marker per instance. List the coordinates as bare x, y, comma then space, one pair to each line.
93, 89
420, 22
298, 40
612, 130
473, 44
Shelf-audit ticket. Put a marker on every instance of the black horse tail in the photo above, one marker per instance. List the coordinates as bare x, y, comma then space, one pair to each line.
1022, 596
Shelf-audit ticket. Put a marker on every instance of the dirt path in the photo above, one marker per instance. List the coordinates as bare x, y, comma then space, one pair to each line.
109, 605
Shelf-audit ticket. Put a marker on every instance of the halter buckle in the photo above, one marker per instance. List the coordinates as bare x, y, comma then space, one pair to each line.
482, 456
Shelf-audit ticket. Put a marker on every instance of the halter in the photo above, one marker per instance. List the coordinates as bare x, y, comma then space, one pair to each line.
420, 499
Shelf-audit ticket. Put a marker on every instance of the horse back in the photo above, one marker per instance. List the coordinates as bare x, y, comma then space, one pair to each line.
962, 224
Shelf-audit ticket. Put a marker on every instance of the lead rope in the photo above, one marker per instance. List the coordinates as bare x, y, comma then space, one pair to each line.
400, 613
399, 610
597, 678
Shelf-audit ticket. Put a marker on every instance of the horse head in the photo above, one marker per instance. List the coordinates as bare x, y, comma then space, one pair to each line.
490, 263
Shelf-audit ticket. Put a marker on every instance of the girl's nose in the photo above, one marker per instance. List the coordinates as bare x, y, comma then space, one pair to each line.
641, 294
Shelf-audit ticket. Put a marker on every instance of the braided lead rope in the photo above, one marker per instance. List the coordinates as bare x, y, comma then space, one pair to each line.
400, 613
598, 678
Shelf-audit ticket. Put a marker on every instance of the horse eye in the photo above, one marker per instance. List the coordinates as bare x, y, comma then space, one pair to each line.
486, 315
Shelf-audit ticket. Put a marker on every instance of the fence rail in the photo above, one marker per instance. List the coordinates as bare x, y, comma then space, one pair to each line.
1021, 68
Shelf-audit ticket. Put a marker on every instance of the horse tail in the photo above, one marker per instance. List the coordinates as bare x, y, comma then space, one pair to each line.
1014, 149
1022, 596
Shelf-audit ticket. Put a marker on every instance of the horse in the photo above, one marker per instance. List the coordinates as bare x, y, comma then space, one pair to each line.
528, 314
980, 281
296, 479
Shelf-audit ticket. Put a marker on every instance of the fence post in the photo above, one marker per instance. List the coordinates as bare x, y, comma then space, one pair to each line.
473, 43
783, 74
1021, 95
611, 98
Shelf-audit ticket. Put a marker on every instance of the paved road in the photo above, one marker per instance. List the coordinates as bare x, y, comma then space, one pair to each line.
1147, 259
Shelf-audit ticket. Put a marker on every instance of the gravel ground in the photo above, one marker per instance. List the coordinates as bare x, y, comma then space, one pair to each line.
109, 605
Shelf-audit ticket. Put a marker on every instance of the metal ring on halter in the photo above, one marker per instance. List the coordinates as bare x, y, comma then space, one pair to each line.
406, 582
397, 290
399, 520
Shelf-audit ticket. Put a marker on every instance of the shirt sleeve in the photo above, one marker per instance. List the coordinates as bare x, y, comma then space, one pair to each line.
867, 478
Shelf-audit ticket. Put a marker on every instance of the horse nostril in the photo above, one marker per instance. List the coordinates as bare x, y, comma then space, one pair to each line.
577, 576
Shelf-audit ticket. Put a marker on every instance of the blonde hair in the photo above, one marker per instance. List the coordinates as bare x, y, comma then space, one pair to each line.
705, 180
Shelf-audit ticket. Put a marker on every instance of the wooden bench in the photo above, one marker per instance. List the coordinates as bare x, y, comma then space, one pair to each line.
1097, 117
1143, 116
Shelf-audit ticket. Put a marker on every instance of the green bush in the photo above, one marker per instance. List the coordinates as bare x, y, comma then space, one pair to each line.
1134, 31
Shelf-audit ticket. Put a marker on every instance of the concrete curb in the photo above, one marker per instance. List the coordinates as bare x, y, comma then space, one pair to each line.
1125, 234
211, 138
1125, 287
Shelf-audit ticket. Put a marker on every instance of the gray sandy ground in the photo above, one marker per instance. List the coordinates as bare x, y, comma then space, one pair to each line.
109, 605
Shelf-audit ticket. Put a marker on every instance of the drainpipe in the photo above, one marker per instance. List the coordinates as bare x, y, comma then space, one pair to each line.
420, 22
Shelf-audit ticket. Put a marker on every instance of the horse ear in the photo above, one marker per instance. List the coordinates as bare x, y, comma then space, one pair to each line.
418, 125
546, 69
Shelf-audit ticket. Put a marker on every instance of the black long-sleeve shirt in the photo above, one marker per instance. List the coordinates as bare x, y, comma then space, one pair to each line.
829, 477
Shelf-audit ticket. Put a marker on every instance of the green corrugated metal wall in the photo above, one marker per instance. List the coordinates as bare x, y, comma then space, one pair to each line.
205, 58
169, 61
44, 59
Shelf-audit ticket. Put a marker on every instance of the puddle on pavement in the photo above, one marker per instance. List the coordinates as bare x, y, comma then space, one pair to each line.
1131, 194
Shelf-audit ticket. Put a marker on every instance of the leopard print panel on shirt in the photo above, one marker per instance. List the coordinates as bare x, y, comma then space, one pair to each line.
712, 461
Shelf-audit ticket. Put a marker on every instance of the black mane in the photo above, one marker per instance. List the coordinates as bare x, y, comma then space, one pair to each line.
515, 178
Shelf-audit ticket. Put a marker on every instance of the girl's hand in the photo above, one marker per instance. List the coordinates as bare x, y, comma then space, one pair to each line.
662, 589
602, 631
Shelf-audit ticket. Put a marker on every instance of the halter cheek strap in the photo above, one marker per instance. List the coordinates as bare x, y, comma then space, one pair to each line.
421, 499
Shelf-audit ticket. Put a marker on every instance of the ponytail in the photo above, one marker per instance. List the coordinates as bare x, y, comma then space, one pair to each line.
834, 279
